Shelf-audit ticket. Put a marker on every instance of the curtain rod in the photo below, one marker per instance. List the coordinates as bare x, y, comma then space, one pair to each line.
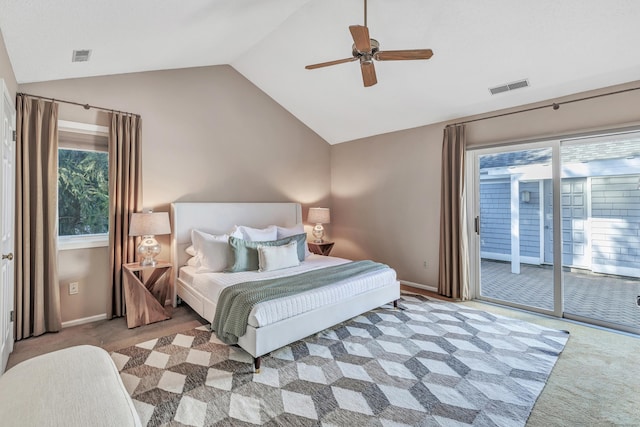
554, 105
85, 106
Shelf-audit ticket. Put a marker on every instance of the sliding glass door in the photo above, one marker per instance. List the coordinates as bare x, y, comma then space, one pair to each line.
515, 233
557, 227
601, 229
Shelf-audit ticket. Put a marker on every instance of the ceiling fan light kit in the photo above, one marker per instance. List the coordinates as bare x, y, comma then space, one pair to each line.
366, 50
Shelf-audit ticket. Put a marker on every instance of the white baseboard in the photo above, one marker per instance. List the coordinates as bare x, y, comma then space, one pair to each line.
419, 286
84, 320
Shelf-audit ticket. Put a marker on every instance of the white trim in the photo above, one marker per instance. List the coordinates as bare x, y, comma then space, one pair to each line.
419, 286
615, 270
84, 320
515, 224
68, 126
86, 241
541, 215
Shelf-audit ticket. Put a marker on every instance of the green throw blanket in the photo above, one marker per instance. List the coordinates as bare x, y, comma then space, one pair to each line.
235, 302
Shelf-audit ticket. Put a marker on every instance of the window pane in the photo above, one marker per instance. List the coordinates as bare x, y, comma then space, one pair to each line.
516, 227
83, 192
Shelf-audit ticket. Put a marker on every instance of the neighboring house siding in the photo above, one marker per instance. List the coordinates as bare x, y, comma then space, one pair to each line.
615, 223
530, 220
495, 220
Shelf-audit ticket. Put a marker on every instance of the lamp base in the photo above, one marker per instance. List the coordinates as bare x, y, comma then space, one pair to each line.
318, 233
148, 249
148, 262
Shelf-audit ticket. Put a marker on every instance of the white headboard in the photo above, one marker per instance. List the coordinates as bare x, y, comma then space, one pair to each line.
219, 218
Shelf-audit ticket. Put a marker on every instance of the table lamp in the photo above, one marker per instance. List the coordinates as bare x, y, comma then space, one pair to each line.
319, 216
148, 225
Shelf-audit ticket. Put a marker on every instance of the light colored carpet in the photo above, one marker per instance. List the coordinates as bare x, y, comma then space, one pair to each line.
593, 382
430, 363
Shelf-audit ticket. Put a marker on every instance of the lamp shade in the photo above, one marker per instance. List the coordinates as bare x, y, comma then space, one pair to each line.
149, 224
319, 216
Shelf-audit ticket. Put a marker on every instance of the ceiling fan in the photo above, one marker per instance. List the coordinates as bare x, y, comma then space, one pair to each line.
367, 49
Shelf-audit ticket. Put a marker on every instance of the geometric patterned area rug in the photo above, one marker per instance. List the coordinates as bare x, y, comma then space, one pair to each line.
429, 363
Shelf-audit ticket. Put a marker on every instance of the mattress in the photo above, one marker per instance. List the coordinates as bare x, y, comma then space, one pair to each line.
211, 284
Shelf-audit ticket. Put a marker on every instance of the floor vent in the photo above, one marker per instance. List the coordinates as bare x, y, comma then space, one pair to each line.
509, 86
81, 55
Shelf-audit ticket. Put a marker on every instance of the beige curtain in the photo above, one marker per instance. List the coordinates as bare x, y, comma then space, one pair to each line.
454, 248
37, 293
125, 197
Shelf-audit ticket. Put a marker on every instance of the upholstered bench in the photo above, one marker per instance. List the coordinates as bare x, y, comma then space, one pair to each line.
77, 386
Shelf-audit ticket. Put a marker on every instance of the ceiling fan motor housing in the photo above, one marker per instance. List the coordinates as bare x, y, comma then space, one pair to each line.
375, 47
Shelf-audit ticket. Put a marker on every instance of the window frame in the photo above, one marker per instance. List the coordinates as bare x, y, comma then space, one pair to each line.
84, 241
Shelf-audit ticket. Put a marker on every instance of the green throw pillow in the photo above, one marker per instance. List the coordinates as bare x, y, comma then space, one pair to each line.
246, 252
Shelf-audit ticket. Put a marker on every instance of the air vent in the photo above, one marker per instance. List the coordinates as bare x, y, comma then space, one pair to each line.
509, 86
81, 55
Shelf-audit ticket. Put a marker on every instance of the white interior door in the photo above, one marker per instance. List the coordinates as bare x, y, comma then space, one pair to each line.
7, 221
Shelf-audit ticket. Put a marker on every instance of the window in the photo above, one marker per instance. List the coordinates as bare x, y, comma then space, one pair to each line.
83, 186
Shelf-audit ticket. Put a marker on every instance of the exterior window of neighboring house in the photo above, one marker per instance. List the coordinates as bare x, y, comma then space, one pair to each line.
83, 186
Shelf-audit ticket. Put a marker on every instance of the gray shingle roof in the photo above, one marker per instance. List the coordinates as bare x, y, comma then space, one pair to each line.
618, 149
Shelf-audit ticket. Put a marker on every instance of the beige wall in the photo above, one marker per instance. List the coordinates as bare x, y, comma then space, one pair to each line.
208, 135
6, 70
386, 188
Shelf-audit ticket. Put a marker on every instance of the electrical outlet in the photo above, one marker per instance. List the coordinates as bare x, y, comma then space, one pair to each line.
73, 288
424, 264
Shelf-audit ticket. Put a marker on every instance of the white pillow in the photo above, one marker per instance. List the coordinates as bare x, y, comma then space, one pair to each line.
278, 257
193, 262
296, 229
256, 234
191, 251
213, 252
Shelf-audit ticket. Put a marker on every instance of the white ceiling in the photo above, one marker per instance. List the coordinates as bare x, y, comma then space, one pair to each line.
561, 46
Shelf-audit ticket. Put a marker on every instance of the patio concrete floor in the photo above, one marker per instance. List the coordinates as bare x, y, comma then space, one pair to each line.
606, 298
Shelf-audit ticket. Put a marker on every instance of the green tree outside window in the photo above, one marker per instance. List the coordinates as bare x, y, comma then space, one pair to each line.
83, 192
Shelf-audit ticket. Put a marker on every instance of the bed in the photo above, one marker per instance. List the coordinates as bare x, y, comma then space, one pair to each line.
267, 331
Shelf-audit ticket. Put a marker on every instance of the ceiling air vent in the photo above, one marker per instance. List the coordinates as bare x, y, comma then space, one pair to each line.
81, 55
509, 86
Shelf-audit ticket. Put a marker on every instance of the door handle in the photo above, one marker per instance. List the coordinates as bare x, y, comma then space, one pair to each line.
8, 256
477, 224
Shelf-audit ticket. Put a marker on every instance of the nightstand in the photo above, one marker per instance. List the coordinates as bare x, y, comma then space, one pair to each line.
144, 292
323, 248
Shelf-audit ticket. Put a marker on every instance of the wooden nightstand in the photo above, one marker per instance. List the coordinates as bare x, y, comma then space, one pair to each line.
323, 248
145, 298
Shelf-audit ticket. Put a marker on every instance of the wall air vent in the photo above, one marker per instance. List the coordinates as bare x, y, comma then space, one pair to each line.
509, 86
81, 55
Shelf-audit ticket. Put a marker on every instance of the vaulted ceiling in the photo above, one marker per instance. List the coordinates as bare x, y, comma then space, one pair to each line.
560, 46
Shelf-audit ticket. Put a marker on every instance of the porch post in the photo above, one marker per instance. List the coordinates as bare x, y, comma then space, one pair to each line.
515, 224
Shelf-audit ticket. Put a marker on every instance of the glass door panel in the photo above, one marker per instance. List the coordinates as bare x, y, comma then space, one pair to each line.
600, 193
516, 227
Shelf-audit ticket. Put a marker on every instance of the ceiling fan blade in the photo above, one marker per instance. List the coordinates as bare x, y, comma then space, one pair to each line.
361, 38
402, 55
326, 64
368, 73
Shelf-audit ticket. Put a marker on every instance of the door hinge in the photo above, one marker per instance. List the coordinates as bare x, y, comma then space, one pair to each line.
476, 222
11, 316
